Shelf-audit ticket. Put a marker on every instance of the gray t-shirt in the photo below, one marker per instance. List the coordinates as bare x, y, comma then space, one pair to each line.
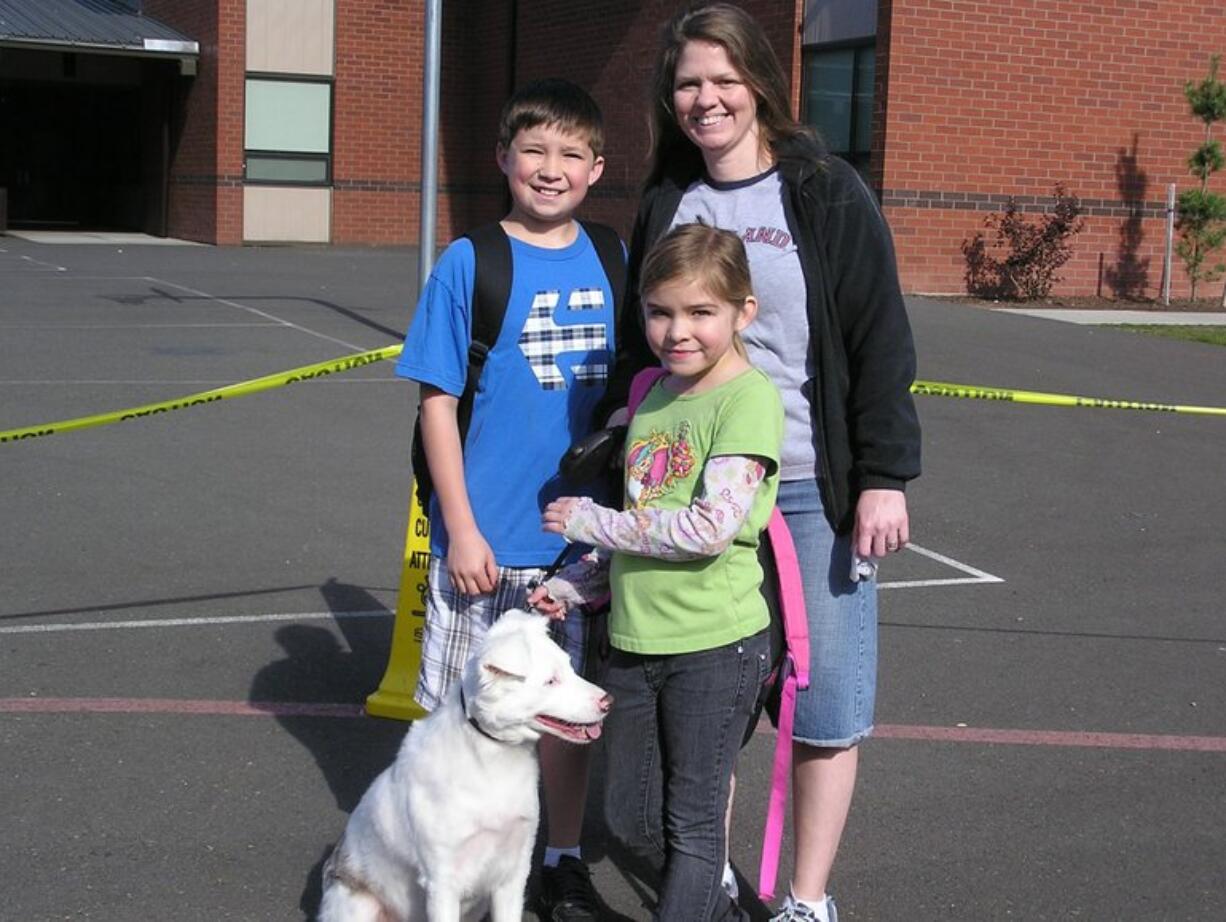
778, 340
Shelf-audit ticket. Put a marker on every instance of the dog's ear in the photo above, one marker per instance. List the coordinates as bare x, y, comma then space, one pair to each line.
506, 652
499, 673
506, 655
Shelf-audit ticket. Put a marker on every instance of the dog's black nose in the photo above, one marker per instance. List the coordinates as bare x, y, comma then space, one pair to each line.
605, 704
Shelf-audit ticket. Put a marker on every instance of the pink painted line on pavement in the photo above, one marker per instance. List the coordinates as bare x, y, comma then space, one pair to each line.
882, 731
177, 706
1052, 738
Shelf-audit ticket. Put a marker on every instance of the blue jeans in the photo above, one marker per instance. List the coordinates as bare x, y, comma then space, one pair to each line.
836, 711
672, 740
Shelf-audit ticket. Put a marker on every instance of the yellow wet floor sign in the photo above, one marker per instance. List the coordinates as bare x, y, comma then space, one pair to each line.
394, 697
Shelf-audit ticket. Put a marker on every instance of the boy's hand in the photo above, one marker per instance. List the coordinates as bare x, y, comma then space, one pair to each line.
539, 599
882, 526
556, 513
470, 564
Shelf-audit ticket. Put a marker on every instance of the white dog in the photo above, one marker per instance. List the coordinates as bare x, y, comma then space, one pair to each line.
446, 833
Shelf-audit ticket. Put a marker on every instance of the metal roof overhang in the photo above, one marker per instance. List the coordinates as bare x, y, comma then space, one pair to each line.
97, 26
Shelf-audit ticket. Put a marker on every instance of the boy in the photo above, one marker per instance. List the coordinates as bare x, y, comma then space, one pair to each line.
537, 390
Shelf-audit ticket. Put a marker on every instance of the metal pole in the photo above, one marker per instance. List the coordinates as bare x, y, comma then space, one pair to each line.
429, 140
1170, 236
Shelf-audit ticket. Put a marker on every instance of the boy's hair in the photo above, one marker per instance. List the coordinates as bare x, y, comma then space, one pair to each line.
749, 51
711, 256
553, 102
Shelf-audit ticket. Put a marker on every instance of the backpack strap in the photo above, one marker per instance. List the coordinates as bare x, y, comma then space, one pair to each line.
612, 257
793, 675
791, 596
641, 384
492, 277
491, 291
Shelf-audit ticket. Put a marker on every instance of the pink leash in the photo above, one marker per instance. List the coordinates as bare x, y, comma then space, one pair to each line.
793, 670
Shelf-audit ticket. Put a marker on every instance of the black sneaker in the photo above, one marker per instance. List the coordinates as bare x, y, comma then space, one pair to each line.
567, 894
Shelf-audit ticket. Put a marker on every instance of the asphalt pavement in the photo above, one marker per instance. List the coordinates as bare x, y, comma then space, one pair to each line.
195, 605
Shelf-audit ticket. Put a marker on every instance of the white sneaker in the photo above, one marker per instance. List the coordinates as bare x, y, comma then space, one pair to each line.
792, 911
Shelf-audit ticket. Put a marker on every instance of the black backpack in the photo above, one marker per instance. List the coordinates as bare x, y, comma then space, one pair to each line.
491, 290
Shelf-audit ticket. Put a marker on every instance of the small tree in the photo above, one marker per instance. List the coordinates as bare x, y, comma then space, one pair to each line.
1032, 251
1202, 214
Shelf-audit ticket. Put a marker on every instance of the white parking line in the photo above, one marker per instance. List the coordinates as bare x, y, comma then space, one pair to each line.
258, 313
974, 575
51, 266
192, 622
100, 278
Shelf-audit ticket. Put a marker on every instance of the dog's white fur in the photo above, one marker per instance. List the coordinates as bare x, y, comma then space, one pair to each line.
446, 832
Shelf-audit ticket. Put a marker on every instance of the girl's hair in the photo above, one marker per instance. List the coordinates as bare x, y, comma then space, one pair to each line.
749, 51
713, 257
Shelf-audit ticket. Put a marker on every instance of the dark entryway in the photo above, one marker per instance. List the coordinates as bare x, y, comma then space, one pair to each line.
83, 141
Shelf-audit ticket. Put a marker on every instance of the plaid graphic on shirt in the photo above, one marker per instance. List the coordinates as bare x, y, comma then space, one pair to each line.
456, 623
543, 339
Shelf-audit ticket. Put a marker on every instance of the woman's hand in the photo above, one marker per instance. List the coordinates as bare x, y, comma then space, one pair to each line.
882, 526
556, 513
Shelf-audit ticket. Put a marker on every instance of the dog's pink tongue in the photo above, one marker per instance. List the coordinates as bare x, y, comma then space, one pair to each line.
592, 731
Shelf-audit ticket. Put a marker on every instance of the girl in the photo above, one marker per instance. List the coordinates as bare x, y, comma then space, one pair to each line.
688, 624
833, 335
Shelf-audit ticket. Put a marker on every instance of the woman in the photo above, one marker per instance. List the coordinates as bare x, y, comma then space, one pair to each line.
832, 332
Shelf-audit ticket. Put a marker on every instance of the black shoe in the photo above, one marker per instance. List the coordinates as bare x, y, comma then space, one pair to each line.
567, 894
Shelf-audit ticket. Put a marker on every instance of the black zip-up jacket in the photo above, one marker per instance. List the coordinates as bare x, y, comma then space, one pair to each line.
868, 434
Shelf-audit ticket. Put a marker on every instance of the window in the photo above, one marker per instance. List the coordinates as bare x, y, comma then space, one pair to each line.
288, 132
838, 99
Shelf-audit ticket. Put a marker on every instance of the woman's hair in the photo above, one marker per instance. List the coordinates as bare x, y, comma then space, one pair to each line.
749, 51
711, 256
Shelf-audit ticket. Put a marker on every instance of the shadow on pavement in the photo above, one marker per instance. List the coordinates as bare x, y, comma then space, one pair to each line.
317, 668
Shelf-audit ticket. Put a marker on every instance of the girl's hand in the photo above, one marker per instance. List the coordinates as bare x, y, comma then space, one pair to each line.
470, 563
882, 526
539, 599
556, 513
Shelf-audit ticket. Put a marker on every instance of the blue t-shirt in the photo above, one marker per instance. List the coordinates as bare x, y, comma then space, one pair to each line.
537, 390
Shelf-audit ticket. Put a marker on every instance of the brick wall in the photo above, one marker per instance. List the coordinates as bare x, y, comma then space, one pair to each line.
205, 195
979, 101
487, 50
376, 153
231, 106
380, 60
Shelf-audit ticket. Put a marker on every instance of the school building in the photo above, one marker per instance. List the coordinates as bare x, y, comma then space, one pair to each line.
250, 121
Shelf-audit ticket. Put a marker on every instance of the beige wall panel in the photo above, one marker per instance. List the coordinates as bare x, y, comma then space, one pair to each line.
286, 215
290, 36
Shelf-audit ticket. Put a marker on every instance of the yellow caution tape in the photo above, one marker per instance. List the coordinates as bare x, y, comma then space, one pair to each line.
280, 379
350, 362
941, 389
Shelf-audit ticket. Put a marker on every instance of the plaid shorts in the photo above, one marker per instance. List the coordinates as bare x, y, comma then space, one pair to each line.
456, 622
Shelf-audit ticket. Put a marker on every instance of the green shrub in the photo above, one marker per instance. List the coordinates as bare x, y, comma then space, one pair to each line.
1201, 216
